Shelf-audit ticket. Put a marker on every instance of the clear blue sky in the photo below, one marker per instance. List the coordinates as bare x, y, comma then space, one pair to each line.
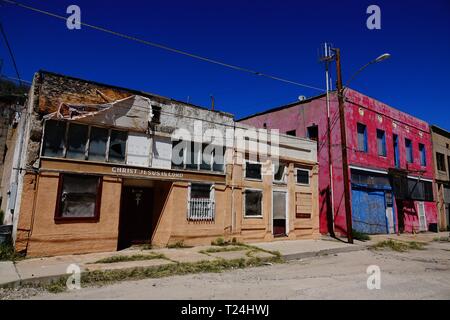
277, 37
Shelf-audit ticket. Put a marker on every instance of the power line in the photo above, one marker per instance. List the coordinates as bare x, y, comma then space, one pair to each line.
167, 48
13, 78
10, 53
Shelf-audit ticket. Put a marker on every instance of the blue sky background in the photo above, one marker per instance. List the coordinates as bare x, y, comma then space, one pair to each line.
276, 37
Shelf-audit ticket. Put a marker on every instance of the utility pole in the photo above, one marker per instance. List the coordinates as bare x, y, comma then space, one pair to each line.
340, 93
326, 58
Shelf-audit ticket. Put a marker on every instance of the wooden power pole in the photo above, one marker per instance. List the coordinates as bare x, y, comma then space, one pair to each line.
345, 169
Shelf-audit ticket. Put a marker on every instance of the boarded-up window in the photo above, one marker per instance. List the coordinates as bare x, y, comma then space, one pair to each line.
79, 197
279, 205
253, 203
97, 144
55, 131
138, 150
117, 146
76, 141
303, 204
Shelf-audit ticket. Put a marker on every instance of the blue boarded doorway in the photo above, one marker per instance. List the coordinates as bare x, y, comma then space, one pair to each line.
369, 211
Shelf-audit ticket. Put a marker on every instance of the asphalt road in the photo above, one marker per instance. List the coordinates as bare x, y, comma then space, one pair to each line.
423, 274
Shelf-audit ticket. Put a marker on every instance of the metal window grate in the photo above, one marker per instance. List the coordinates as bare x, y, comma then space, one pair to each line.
201, 209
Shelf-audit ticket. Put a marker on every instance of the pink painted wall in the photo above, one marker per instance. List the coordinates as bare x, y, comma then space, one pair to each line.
375, 115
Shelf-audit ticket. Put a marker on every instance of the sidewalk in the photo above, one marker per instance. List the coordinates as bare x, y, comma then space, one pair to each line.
51, 268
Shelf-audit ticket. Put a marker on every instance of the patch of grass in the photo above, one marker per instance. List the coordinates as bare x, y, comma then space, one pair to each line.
442, 239
360, 236
398, 245
8, 253
135, 257
222, 242
99, 277
223, 249
177, 245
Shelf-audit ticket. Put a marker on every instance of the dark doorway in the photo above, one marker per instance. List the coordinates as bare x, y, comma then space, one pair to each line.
135, 224
400, 216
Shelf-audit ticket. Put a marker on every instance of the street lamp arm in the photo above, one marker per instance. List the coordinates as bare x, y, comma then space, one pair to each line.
358, 72
378, 59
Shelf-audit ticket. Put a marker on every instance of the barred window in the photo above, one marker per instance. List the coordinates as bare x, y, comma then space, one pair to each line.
201, 204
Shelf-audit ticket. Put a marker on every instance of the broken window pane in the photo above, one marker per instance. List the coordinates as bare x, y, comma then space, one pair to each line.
78, 196
76, 144
117, 146
97, 144
279, 174
55, 131
253, 202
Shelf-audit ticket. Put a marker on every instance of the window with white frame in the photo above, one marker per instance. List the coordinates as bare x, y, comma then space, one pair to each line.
302, 176
253, 170
201, 205
280, 173
253, 203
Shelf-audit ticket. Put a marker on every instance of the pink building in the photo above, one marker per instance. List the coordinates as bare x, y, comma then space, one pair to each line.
389, 155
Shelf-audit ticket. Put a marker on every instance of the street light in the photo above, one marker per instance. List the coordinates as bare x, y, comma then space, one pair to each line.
383, 57
341, 100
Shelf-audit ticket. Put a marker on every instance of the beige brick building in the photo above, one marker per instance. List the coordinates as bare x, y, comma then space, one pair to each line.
441, 150
104, 168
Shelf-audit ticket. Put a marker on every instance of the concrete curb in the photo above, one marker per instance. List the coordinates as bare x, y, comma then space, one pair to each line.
287, 257
311, 254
